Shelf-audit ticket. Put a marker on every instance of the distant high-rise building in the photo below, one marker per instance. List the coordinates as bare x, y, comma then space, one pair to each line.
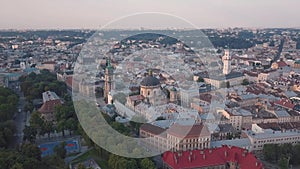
226, 62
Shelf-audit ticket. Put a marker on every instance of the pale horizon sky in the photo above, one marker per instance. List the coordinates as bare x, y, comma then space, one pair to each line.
92, 14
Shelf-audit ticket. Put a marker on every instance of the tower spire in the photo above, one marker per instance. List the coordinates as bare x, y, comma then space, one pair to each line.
108, 64
150, 73
108, 78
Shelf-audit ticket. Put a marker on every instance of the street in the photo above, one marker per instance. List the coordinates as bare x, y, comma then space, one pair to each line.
21, 117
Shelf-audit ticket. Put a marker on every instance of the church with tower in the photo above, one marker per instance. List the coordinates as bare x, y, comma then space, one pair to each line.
108, 80
150, 93
226, 62
228, 77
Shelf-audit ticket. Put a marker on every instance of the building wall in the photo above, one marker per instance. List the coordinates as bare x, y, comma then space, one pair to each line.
217, 83
175, 143
49, 67
179, 144
156, 143
258, 144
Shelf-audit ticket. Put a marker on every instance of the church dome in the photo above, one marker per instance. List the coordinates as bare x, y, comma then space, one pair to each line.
150, 81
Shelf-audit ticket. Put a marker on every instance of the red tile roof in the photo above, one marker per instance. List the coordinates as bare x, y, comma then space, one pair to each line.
48, 106
50, 62
281, 64
211, 157
69, 81
152, 129
206, 97
285, 103
136, 97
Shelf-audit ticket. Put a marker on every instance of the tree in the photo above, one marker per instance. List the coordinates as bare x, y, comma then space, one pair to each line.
116, 162
55, 162
7, 130
71, 125
120, 128
268, 152
7, 111
131, 164
245, 82
295, 158
36, 121
60, 150
66, 118
29, 157
12, 99
112, 161
8, 108
28, 107
29, 134
31, 163
47, 128
146, 163
81, 166
61, 126
31, 151
17, 166
283, 163
200, 79
121, 164
33, 85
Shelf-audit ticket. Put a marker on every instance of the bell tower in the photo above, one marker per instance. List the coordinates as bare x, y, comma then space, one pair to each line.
226, 62
108, 78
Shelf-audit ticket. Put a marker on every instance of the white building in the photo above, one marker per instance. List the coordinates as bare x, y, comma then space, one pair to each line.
259, 137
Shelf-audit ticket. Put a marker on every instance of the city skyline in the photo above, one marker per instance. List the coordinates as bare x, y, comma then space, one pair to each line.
93, 14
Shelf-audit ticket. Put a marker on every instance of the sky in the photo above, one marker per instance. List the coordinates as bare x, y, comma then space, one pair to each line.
95, 14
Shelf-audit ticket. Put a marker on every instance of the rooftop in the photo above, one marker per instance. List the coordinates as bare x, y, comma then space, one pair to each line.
188, 131
242, 143
48, 96
231, 75
212, 157
150, 81
272, 134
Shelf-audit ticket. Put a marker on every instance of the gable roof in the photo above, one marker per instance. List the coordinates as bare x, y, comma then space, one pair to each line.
212, 157
187, 131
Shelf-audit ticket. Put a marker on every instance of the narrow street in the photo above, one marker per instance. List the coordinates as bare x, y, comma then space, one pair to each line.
21, 117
